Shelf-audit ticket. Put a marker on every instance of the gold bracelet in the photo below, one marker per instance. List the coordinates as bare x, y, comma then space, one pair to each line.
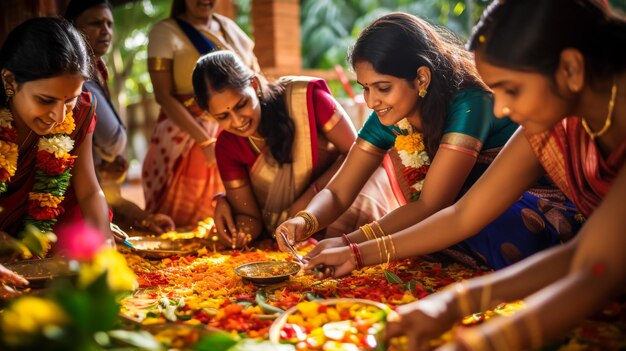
511, 335
472, 339
393, 248
461, 294
312, 225
534, 330
371, 234
485, 297
206, 143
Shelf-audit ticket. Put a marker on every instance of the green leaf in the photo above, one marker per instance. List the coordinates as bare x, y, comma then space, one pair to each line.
261, 300
392, 277
215, 342
410, 286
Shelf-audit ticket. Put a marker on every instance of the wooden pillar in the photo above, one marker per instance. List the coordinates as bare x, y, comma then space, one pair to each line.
276, 26
14, 12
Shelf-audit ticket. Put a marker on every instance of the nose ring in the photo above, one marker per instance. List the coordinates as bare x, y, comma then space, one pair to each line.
506, 111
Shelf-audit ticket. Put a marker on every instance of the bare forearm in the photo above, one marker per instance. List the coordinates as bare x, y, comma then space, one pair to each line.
549, 313
94, 209
319, 183
183, 119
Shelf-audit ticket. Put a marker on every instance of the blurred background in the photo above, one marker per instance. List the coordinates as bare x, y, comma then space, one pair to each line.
293, 37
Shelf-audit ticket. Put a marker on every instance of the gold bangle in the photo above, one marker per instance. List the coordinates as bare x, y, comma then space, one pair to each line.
312, 225
393, 248
472, 339
534, 330
461, 294
485, 297
206, 143
370, 234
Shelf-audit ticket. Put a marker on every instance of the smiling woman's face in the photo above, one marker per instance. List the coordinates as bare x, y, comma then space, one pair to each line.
529, 99
42, 104
392, 98
236, 111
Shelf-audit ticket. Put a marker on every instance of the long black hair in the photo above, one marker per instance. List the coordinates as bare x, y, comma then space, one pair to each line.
220, 70
44, 47
398, 44
529, 35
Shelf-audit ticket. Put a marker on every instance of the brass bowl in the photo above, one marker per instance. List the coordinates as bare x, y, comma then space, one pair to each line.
267, 272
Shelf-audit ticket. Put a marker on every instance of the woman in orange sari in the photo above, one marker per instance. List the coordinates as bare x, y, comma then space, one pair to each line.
179, 172
282, 142
566, 90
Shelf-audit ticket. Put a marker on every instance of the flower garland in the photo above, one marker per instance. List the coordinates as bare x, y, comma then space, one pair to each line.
52, 169
412, 152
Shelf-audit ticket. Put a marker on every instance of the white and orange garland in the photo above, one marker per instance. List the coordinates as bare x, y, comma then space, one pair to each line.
52, 169
412, 152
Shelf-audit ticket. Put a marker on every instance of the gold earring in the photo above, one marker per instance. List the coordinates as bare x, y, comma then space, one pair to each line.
506, 111
9, 93
422, 92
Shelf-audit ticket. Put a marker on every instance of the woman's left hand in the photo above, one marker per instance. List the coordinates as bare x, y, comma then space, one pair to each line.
12, 278
339, 259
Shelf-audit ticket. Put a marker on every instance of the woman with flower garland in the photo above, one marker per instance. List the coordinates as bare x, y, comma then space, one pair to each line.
566, 90
282, 141
46, 123
430, 104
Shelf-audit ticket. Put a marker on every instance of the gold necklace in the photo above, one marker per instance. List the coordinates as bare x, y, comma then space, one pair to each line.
609, 116
254, 145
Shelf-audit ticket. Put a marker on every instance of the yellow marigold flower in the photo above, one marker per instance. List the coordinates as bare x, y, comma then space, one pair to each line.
411, 143
68, 125
8, 156
29, 315
119, 277
46, 200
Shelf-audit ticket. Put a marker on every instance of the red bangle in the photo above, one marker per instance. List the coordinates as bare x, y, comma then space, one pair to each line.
346, 240
357, 255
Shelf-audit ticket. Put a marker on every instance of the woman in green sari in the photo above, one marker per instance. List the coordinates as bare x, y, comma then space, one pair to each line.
436, 115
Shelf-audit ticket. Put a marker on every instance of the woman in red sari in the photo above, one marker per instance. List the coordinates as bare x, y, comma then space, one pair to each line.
282, 142
179, 173
46, 123
566, 90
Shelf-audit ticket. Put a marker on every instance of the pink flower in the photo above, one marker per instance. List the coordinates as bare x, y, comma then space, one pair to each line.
79, 241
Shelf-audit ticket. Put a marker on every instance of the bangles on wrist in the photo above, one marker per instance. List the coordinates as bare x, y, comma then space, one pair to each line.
311, 223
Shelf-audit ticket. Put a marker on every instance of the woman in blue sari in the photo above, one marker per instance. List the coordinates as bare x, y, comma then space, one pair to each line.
436, 116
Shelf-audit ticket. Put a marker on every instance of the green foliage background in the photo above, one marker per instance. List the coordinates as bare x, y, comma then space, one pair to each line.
329, 27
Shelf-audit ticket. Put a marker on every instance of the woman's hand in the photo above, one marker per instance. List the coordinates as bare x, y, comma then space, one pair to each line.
323, 245
209, 155
294, 229
9, 277
224, 222
157, 223
335, 262
423, 320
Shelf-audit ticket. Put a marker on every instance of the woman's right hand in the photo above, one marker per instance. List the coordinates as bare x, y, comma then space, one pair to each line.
294, 229
12, 278
323, 245
209, 155
224, 221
